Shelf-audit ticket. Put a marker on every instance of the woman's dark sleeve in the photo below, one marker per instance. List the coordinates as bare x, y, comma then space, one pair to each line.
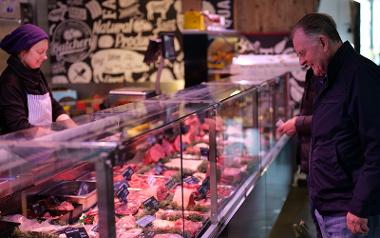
14, 110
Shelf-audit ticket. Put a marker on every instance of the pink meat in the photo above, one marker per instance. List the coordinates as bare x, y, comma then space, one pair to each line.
167, 236
168, 147
191, 228
154, 154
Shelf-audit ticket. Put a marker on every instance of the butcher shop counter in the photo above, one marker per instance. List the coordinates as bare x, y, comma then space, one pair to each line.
174, 166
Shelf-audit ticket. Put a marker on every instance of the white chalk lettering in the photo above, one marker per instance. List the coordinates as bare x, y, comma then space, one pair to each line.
142, 26
225, 10
94, 8
108, 14
169, 25
106, 41
114, 65
70, 47
132, 11
58, 14
108, 27
127, 3
133, 43
111, 4
159, 7
224, 4
77, 13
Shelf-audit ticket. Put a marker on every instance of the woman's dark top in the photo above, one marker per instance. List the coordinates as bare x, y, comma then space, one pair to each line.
15, 83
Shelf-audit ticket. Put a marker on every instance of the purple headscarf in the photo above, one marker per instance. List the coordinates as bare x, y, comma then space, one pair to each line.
22, 38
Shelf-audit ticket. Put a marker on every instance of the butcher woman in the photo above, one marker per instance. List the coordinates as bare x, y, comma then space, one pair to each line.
25, 98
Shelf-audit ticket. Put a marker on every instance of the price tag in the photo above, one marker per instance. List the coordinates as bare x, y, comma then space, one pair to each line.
145, 220
127, 174
83, 188
204, 153
147, 234
191, 180
122, 192
95, 228
170, 184
151, 181
158, 168
79, 232
203, 189
184, 128
38, 208
184, 147
151, 203
151, 140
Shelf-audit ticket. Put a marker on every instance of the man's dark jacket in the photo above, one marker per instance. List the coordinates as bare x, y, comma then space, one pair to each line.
303, 121
344, 171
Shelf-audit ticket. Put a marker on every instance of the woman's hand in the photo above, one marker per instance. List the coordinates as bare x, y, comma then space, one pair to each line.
66, 121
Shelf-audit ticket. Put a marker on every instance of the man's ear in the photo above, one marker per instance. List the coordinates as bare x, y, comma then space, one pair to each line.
324, 42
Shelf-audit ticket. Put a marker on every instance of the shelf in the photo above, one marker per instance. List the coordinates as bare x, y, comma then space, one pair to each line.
211, 33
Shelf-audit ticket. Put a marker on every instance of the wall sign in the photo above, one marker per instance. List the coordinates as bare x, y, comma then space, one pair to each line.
223, 8
103, 41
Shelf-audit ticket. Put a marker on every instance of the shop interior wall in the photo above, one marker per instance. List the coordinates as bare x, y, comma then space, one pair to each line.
265, 16
87, 90
253, 16
341, 12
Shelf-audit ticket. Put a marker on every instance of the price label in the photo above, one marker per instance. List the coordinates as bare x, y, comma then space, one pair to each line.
171, 183
83, 188
122, 192
184, 147
158, 168
185, 128
151, 203
151, 140
191, 180
95, 228
151, 181
204, 153
203, 189
147, 234
79, 232
127, 174
145, 220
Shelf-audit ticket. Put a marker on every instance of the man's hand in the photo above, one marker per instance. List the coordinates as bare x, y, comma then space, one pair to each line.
356, 224
288, 128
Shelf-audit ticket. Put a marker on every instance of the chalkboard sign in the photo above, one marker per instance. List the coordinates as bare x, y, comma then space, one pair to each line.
95, 41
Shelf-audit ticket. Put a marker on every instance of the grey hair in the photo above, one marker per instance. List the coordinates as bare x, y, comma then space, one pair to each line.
318, 23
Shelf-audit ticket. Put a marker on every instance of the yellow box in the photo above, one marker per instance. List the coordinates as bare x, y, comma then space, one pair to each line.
194, 20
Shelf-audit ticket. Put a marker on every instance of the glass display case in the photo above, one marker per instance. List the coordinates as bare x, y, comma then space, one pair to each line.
173, 166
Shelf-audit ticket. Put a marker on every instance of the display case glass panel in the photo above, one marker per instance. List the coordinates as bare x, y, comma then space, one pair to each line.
237, 144
168, 165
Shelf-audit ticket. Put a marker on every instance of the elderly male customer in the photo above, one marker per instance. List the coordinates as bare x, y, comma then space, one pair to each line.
344, 171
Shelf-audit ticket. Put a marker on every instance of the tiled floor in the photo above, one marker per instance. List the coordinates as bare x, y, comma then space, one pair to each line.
273, 206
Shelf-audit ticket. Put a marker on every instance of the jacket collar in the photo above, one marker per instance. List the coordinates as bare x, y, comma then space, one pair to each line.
337, 61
